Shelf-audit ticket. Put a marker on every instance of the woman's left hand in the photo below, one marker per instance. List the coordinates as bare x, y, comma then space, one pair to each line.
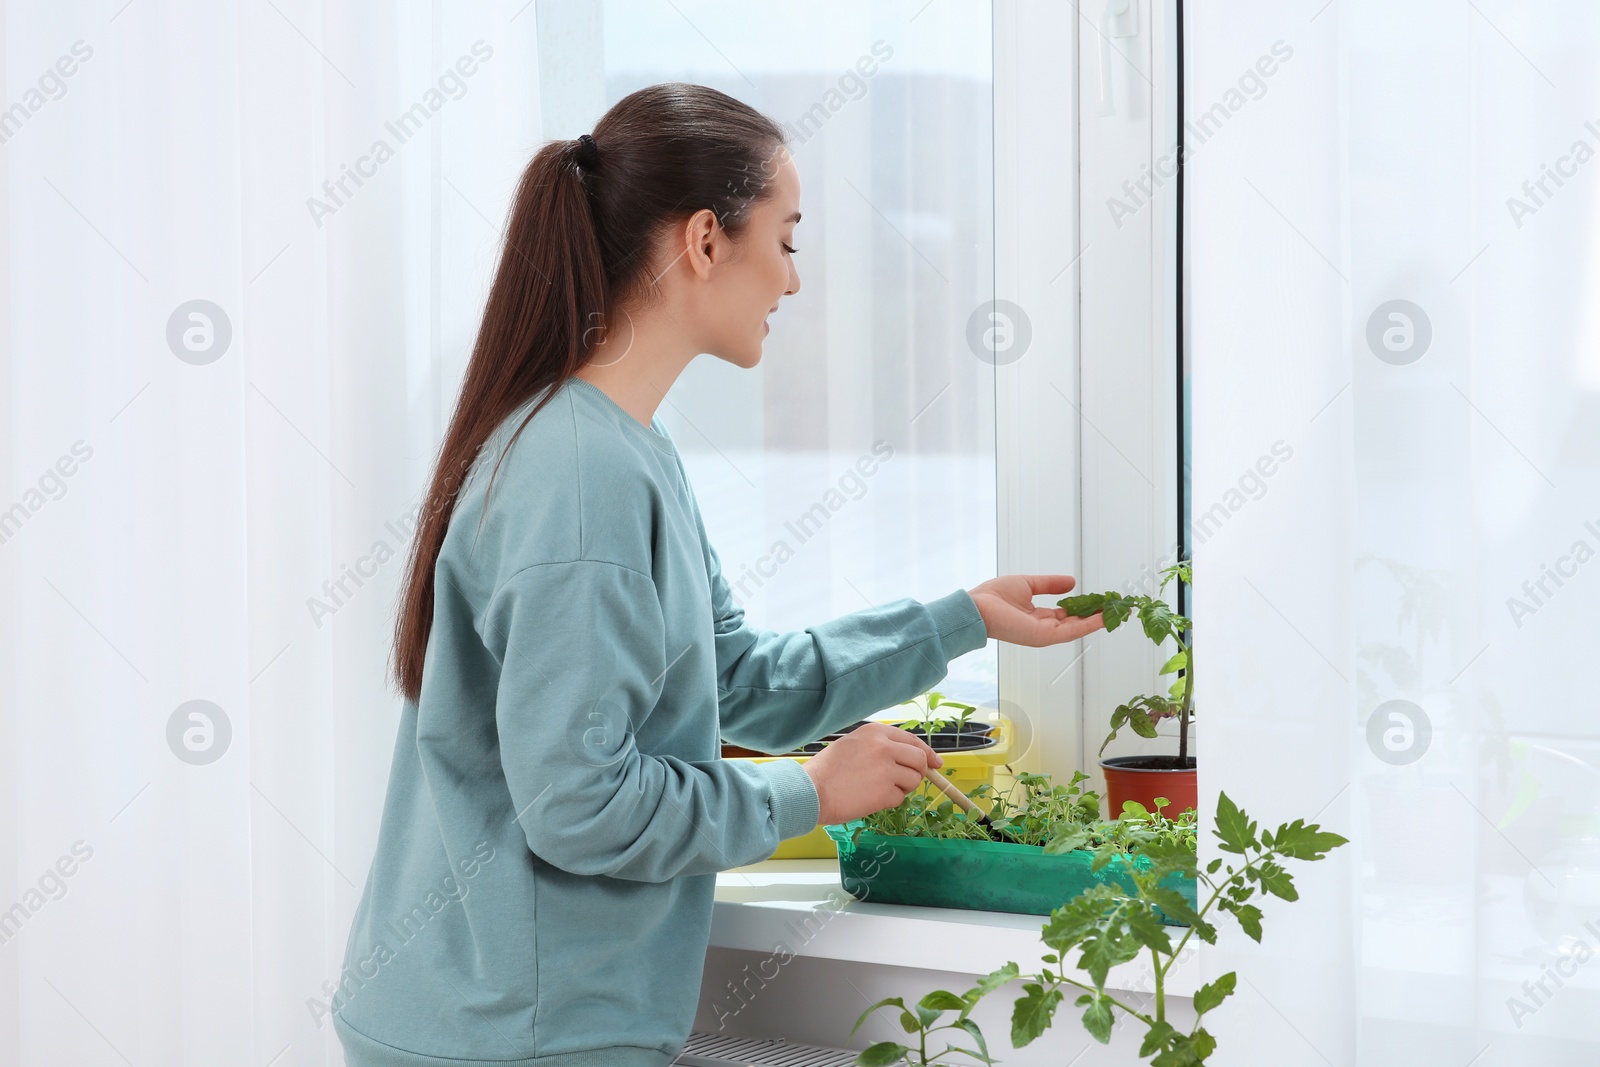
1008, 610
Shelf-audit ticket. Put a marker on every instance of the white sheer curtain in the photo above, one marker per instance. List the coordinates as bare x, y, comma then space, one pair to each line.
1395, 632
216, 508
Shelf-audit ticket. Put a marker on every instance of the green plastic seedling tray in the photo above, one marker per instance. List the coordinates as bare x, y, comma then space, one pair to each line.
977, 875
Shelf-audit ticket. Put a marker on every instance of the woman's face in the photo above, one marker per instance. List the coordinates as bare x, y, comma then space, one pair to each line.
744, 280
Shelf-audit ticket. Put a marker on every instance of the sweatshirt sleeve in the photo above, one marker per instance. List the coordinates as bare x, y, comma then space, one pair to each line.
581, 646
777, 691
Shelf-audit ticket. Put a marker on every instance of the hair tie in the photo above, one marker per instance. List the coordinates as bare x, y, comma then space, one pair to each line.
588, 152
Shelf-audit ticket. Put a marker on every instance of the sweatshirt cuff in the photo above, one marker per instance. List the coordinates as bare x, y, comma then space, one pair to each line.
961, 627
794, 801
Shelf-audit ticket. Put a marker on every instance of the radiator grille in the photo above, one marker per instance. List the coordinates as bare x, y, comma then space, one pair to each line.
716, 1050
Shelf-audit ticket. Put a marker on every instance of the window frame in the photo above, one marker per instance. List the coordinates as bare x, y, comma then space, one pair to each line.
1103, 359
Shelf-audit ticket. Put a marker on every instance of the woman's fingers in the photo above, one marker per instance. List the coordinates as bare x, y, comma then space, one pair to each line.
867, 770
1009, 613
905, 779
1046, 584
921, 754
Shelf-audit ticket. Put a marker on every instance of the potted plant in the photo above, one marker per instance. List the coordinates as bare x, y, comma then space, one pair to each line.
1110, 924
949, 733
972, 751
1144, 778
944, 733
1043, 843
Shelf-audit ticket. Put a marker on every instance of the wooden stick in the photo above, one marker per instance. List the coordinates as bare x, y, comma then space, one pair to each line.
961, 799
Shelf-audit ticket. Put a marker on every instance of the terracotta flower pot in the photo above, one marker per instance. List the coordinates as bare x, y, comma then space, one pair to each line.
1143, 778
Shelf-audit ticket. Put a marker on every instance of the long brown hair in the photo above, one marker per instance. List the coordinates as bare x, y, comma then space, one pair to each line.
578, 245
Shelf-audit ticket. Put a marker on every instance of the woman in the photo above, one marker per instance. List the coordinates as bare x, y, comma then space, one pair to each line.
569, 651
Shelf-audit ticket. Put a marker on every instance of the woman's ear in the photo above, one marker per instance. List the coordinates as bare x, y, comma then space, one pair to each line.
701, 246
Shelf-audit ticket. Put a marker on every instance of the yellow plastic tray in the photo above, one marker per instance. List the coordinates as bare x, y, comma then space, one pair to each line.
965, 770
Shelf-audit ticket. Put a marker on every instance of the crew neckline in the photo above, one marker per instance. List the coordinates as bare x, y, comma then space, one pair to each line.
619, 413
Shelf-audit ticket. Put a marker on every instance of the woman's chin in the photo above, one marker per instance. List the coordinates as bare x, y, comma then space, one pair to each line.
746, 358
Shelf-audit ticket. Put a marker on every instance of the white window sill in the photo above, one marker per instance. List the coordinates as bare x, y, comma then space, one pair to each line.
799, 907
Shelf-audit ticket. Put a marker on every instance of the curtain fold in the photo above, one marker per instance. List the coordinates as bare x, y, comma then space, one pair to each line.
1391, 259
248, 246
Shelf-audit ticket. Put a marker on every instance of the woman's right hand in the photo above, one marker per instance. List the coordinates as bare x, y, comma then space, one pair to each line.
869, 769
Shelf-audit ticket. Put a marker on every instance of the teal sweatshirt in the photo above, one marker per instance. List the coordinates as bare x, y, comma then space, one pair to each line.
558, 807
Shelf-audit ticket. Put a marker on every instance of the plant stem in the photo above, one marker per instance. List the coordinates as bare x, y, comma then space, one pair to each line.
1141, 1016
1188, 696
1184, 940
1161, 993
1237, 876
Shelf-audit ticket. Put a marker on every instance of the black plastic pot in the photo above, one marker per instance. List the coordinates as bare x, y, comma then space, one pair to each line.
971, 737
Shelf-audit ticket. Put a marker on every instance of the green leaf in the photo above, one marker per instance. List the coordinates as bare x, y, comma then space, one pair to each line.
1178, 662
942, 1000
1277, 881
1147, 929
886, 1001
912, 1024
1068, 841
1158, 1037
1303, 842
1140, 722
1083, 605
1112, 736
1210, 995
1187, 1051
1032, 1013
1214, 866
1101, 952
977, 1035
1081, 916
1176, 907
1157, 619
1097, 1018
1116, 613
1249, 917
1237, 832
1168, 856
992, 981
1179, 1056
883, 1054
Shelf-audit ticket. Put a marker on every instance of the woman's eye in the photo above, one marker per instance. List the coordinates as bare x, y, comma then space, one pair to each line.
789, 250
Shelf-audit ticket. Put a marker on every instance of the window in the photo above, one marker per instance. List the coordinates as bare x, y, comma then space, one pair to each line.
856, 463
920, 421
1132, 410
